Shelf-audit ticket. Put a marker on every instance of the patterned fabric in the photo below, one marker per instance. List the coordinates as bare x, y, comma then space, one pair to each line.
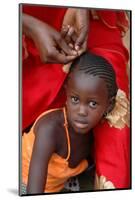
101, 183
119, 117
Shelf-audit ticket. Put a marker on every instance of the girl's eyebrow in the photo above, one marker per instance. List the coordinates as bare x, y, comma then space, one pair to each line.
94, 98
74, 92
89, 98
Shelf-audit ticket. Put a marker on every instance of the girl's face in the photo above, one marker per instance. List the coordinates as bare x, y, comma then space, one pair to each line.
87, 101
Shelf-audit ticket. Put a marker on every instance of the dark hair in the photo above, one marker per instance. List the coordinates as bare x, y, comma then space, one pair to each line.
95, 65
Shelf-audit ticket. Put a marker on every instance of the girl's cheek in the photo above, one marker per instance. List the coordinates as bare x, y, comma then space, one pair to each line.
96, 118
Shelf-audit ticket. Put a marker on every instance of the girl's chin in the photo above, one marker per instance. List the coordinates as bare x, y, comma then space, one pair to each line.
81, 130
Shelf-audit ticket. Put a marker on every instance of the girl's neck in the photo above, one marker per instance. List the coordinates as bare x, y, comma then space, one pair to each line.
75, 134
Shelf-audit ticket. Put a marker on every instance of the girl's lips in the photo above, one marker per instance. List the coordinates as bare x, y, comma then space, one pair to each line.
81, 125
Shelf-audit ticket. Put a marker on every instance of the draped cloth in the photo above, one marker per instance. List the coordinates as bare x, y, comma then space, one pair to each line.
42, 87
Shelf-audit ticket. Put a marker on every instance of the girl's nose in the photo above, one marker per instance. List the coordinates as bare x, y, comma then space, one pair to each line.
83, 110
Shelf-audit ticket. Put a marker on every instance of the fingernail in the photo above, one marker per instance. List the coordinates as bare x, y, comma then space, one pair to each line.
74, 52
77, 47
65, 29
71, 45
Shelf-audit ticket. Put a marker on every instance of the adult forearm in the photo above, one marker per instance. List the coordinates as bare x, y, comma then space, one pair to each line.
29, 25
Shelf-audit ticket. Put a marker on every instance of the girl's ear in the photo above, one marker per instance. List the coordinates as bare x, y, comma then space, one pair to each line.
111, 104
110, 107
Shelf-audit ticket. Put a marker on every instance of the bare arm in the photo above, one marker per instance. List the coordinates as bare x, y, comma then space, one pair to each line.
43, 148
52, 47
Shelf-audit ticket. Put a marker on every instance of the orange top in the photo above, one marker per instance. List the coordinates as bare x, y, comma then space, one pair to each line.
58, 170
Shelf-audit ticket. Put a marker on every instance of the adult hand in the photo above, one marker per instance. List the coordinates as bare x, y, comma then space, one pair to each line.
75, 28
51, 45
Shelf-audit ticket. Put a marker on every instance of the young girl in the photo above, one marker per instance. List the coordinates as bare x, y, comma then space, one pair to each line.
58, 145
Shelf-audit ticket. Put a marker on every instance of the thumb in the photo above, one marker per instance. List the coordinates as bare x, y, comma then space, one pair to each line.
81, 39
63, 45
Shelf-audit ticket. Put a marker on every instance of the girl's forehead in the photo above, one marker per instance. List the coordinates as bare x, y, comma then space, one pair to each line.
83, 82
85, 79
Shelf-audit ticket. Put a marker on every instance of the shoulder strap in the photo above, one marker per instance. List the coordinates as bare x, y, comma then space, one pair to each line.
67, 133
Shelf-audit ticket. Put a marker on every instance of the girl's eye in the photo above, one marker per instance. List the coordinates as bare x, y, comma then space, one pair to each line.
75, 100
93, 104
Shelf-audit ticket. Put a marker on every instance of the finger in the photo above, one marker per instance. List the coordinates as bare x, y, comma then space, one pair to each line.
72, 36
73, 40
64, 31
81, 51
69, 34
71, 45
61, 58
80, 40
65, 58
82, 48
65, 47
71, 31
64, 34
68, 39
69, 59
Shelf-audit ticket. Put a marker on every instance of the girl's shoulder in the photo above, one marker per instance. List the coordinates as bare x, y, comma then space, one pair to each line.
49, 122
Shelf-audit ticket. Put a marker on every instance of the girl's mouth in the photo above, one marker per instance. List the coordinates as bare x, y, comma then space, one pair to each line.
80, 124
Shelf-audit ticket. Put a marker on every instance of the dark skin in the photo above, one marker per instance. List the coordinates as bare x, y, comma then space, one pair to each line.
53, 46
75, 28
85, 101
86, 105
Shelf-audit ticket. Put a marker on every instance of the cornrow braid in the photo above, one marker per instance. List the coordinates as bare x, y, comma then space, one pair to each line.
95, 65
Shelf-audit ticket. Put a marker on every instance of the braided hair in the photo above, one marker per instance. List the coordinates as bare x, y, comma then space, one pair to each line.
95, 65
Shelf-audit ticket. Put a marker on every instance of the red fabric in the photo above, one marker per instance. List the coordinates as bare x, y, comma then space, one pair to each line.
112, 146
40, 82
113, 154
52, 16
42, 85
102, 35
